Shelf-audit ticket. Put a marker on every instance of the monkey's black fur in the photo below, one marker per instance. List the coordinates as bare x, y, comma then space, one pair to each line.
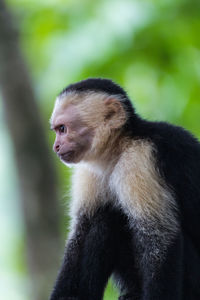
96, 85
105, 245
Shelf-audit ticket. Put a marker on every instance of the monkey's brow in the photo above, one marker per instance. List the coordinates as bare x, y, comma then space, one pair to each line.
55, 126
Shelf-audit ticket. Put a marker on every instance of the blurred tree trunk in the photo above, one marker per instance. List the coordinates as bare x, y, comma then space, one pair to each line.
36, 174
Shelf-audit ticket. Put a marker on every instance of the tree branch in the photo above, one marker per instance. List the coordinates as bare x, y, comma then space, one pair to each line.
36, 173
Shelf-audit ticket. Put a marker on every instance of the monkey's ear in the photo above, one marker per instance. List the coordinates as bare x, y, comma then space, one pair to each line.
115, 114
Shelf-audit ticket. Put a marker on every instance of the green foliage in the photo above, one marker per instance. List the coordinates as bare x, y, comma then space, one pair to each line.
110, 293
150, 47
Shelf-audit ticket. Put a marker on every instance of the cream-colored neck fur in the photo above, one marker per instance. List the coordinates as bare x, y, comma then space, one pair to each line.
132, 183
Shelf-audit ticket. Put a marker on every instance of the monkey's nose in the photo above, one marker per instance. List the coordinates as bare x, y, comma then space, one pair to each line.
56, 147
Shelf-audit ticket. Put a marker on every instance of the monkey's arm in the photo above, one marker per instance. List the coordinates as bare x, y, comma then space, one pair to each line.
100, 254
90, 257
69, 275
66, 286
167, 281
85, 202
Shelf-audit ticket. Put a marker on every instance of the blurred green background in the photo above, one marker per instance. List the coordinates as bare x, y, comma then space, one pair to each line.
151, 48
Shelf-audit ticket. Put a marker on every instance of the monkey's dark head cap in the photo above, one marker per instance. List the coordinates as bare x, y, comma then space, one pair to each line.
96, 85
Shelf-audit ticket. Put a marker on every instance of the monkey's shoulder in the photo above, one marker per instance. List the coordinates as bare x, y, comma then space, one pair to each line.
163, 134
173, 146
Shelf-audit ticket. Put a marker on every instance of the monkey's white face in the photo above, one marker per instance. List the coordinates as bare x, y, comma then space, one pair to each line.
85, 126
73, 137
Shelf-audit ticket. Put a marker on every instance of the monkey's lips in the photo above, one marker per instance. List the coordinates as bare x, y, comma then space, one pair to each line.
67, 156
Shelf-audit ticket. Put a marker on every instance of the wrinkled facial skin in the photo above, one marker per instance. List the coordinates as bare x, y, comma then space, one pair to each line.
73, 137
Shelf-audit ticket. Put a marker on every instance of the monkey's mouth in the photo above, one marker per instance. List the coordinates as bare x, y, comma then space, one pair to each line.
67, 157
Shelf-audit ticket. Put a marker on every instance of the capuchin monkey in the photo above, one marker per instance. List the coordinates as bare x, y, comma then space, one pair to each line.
135, 209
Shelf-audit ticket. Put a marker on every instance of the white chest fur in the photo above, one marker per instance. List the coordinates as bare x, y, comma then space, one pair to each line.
133, 183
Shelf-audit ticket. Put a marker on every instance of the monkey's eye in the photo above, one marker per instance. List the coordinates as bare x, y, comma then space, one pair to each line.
62, 128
